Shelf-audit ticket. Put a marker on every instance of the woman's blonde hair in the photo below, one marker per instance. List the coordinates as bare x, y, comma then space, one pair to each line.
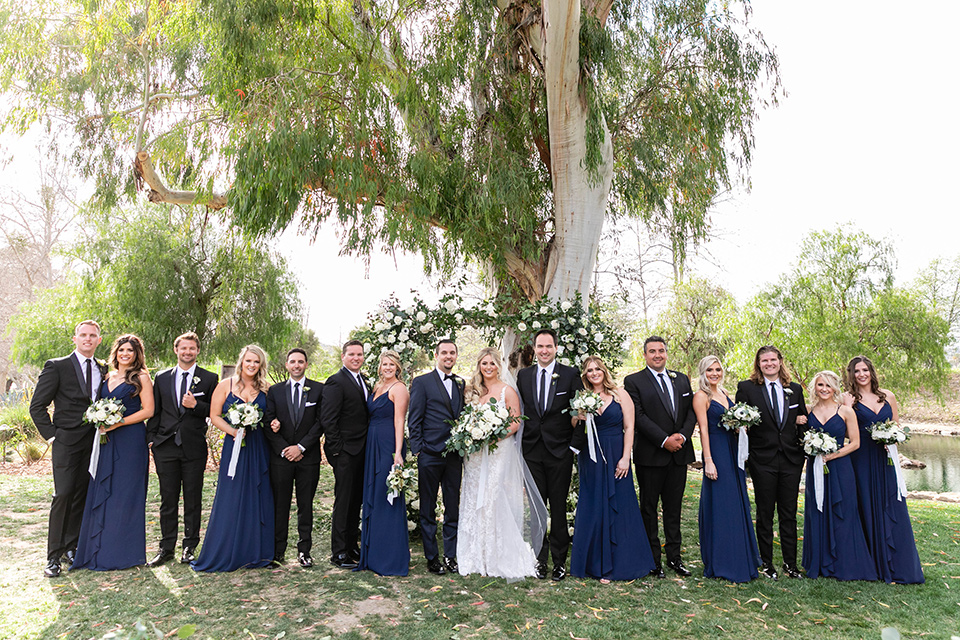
260, 379
394, 357
832, 379
607, 383
476, 388
704, 384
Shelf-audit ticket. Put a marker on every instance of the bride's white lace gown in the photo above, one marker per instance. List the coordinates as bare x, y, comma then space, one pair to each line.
490, 536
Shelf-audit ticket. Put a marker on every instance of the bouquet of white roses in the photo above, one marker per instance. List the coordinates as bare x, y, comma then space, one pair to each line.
479, 425
740, 416
105, 412
889, 432
818, 443
244, 415
585, 402
401, 479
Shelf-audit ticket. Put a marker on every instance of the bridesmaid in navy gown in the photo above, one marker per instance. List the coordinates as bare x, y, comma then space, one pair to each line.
886, 521
609, 538
728, 541
240, 530
384, 538
113, 530
833, 540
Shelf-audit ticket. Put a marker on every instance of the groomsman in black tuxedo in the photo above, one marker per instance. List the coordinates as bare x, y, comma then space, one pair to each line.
546, 390
177, 434
344, 420
776, 455
294, 436
662, 449
71, 383
435, 399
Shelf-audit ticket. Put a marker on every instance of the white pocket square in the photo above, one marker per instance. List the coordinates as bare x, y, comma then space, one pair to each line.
310, 404
685, 395
793, 406
561, 393
197, 394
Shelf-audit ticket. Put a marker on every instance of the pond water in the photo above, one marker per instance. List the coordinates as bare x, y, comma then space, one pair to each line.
941, 454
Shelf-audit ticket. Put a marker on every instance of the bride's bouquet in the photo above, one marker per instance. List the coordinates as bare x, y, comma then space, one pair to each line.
244, 415
105, 412
890, 434
478, 425
401, 479
819, 443
740, 416
586, 402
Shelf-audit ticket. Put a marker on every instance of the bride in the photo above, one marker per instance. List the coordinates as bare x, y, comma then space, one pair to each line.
502, 517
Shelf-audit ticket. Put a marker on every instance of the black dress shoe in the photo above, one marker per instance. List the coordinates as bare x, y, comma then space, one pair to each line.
677, 565
451, 565
792, 571
768, 570
277, 562
69, 557
435, 566
658, 572
52, 570
541, 570
354, 555
559, 573
161, 558
304, 559
343, 561
188, 556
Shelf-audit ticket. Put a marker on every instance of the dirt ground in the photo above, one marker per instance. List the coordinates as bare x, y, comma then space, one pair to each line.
927, 408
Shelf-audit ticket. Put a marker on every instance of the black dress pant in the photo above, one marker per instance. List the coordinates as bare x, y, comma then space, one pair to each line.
176, 472
552, 477
662, 486
438, 473
71, 476
776, 486
284, 476
347, 500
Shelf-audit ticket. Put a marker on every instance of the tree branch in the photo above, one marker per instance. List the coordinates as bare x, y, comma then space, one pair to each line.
143, 166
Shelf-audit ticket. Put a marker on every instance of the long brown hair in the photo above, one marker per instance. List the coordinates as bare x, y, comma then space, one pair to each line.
850, 381
132, 375
757, 376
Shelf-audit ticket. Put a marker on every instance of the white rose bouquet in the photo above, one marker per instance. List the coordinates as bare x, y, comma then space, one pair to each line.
244, 415
740, 416
890, 434
479, 425
818, 443
401, 480
585, 402
105, 412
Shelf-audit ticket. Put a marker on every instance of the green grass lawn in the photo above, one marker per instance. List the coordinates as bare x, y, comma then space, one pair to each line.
325, 602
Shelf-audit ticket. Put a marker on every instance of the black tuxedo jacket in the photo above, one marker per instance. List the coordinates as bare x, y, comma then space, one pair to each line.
167, 420
654, 422
306, 432
61, 382
430, 409
343, 414
552, 427
772, 434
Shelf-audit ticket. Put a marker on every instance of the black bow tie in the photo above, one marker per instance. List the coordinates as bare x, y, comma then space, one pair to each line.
448, 376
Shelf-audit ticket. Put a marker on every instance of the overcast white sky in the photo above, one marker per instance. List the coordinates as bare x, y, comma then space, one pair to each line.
868, 134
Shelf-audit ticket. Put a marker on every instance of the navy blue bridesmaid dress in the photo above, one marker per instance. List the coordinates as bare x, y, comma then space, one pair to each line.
240, 530
113, 530
833, 542
384, 538
609, 539
886, 521
728, 541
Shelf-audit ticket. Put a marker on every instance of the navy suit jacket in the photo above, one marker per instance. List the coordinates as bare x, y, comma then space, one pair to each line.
430, 409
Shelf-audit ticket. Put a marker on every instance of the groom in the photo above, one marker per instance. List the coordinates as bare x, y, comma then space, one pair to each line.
436, 399
71, 383
177, 434
546, 389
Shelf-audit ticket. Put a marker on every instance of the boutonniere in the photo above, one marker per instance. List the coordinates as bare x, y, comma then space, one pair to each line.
459, 381
305, 389
553, 379
788, 391
672, 374
196, 379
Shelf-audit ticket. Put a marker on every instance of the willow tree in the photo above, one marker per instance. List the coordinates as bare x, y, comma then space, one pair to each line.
501, 131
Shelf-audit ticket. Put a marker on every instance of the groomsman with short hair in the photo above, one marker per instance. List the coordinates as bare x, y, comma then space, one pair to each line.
294, 438
344, 419
776, 455
177, 434
436, 400
663, 403
71, 383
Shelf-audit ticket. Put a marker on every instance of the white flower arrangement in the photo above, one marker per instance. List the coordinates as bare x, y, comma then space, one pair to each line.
402, 479
740, 416
244, 415
817, 442
585, 402
105, 412
889, 432
479, 426
196, 379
